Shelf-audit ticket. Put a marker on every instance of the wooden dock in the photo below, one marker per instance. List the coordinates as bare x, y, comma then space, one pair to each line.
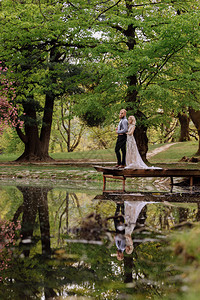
122, 174
151, 197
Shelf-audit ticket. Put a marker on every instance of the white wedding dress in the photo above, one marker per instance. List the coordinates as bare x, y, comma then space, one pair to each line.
133, 158
132, 210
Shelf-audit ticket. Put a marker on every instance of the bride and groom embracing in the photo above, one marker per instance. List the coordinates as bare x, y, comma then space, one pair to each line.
129, 157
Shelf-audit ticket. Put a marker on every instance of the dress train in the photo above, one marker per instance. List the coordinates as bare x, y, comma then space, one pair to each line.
133, 158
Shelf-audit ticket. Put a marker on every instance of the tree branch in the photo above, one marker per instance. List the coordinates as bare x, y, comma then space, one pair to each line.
130, 7
161, 66
61, 133
76, 142
22, 136
119, 28
107, 9
63, 123
69, 2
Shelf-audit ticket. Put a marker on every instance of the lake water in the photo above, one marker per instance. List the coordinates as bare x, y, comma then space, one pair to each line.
70, 241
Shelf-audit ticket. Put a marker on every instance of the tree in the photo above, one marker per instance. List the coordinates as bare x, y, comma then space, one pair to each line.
147, 45
70, 128
195, 116
184, 120
37, 39
136, 52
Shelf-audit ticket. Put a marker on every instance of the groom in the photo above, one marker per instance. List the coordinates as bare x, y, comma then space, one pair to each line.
121, 139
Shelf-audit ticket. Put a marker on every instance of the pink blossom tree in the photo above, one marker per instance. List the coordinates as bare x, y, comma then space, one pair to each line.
8, 112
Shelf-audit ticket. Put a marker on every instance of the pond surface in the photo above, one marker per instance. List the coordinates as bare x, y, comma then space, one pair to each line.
72, 241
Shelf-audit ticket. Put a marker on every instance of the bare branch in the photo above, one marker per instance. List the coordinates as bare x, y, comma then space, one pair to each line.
61, 133
76, 142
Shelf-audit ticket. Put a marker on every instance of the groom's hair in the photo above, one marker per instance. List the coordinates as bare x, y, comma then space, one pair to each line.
123, 110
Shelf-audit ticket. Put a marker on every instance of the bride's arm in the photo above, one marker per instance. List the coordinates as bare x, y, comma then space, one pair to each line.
131, 130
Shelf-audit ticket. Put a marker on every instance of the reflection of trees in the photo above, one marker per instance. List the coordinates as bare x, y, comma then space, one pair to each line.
198, 212
167, 216
35, 201
63, 211
80, 268
183, 214
139, 265
30, 277
8, 237
147, 265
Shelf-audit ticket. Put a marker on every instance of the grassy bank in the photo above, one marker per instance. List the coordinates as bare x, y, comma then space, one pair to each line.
51, 172
175, 153
169, 158
171, 155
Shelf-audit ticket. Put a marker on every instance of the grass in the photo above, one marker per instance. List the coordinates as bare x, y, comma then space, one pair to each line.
176, 152
171, 155
9, 157
51, 172
100, 155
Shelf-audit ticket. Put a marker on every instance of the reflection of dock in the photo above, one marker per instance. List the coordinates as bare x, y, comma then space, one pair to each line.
123, 174
185, 197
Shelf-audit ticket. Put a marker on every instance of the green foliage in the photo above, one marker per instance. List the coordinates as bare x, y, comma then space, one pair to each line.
161, 53
143, 56
186, 245
102, 137
93, 113
10, 142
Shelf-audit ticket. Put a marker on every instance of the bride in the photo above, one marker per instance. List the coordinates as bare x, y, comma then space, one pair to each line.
133, 158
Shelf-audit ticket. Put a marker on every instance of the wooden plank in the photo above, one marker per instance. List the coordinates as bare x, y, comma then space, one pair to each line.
191, 197
104, 183
122, 174
149, 172
114, 177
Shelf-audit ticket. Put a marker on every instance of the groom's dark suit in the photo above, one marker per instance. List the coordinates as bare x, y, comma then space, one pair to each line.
121, 141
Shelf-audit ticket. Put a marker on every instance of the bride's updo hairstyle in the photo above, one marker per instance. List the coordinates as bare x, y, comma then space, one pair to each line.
133, 120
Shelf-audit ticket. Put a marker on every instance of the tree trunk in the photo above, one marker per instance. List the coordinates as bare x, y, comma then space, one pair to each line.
132, 99
37, 147
35, 201
46, 124
140, 135
184, 122
34, 151
69, 136
128, 268
195, 117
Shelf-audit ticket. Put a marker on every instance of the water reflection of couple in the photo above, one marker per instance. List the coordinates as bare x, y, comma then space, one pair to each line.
130, 158
125, 220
